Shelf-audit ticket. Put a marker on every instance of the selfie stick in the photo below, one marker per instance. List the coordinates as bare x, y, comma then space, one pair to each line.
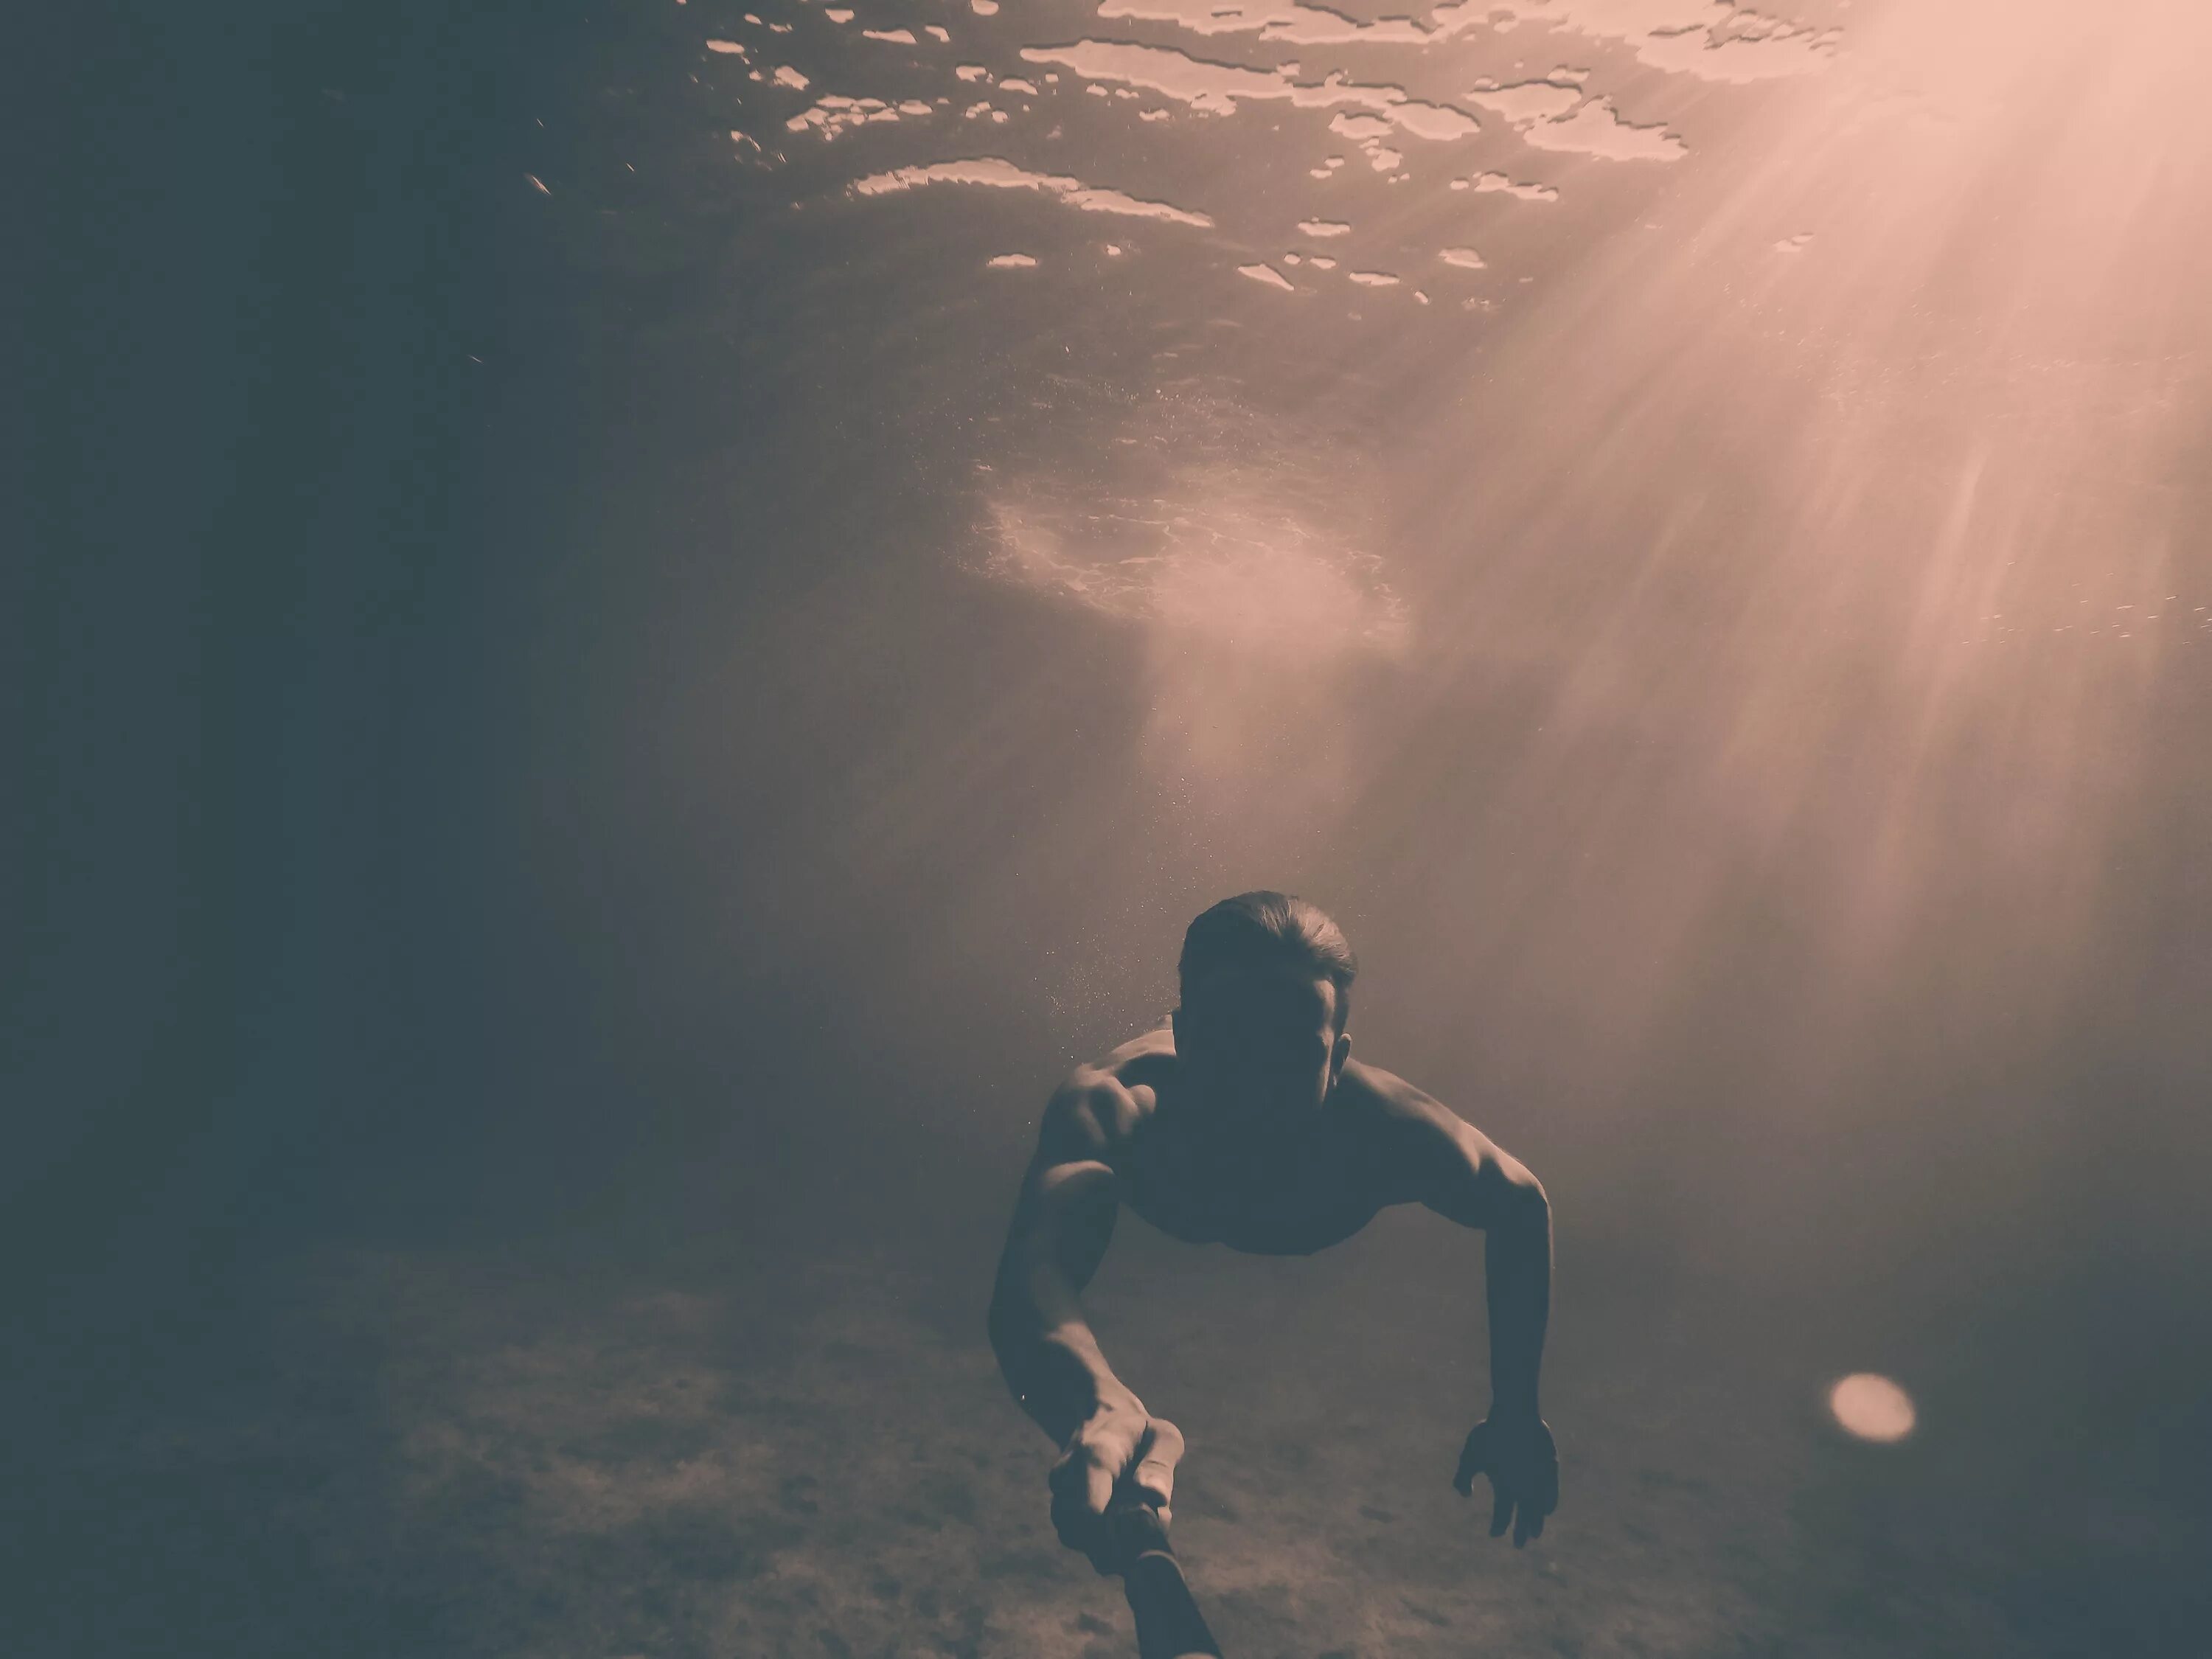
1168, 1623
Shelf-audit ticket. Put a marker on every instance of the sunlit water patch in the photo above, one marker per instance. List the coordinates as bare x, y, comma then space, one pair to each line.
1265, 105
1595, 128
1233, 553
994, 173
1218, 559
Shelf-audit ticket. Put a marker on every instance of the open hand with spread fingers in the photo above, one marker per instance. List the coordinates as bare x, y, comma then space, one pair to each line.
1518, 1454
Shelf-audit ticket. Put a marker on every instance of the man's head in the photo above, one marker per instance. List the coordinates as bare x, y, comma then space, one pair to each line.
1266, 992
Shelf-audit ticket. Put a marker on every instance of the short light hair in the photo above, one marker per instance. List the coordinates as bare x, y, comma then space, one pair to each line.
1266, 928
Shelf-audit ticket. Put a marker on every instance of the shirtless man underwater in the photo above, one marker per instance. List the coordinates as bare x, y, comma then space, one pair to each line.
1244, 1121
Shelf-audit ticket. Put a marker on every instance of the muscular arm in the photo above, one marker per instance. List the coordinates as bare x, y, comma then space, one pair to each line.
1473, 1183
1046, 1351
1447, 1164
1063, 1221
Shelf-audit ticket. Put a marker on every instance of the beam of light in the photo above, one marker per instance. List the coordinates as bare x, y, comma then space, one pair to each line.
1871, 1408
1773, 560
1859, 560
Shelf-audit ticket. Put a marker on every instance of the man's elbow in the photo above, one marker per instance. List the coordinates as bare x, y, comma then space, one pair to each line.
1540, 1213
1011, 1320
1526, 1205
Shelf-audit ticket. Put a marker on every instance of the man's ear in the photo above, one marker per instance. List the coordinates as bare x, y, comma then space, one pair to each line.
1342, 1054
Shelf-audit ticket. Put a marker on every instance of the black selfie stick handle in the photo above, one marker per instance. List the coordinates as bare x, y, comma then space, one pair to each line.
1169, 1623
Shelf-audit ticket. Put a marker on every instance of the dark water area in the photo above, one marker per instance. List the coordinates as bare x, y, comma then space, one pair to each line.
584, 753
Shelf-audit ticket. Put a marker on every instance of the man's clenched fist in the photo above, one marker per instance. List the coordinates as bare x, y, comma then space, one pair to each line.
1121, 1449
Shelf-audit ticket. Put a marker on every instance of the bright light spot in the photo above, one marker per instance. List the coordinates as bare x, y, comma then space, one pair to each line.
1595, 129
995, 172
1871, 1408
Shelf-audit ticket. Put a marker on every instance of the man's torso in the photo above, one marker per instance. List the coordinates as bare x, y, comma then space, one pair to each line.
1286, 1191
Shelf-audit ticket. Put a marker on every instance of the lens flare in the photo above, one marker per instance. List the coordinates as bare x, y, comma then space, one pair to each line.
1871, 1408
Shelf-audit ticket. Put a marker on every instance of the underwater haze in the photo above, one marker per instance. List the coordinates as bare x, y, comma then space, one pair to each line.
639, 623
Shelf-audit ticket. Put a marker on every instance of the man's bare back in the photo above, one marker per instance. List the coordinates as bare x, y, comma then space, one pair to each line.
1245, 1122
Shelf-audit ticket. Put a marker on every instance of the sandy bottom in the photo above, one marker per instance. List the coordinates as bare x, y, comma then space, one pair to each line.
427, 1454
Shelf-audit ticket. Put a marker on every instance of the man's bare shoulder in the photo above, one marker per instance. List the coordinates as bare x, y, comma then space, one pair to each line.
1098, 1112
1409, 1139
1422, 1151
1384, 1098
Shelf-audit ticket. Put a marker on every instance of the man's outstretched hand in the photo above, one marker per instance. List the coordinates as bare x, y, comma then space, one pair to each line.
1120, 1449
1518, 1454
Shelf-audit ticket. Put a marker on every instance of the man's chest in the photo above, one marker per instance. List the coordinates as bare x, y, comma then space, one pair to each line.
1267, 1200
